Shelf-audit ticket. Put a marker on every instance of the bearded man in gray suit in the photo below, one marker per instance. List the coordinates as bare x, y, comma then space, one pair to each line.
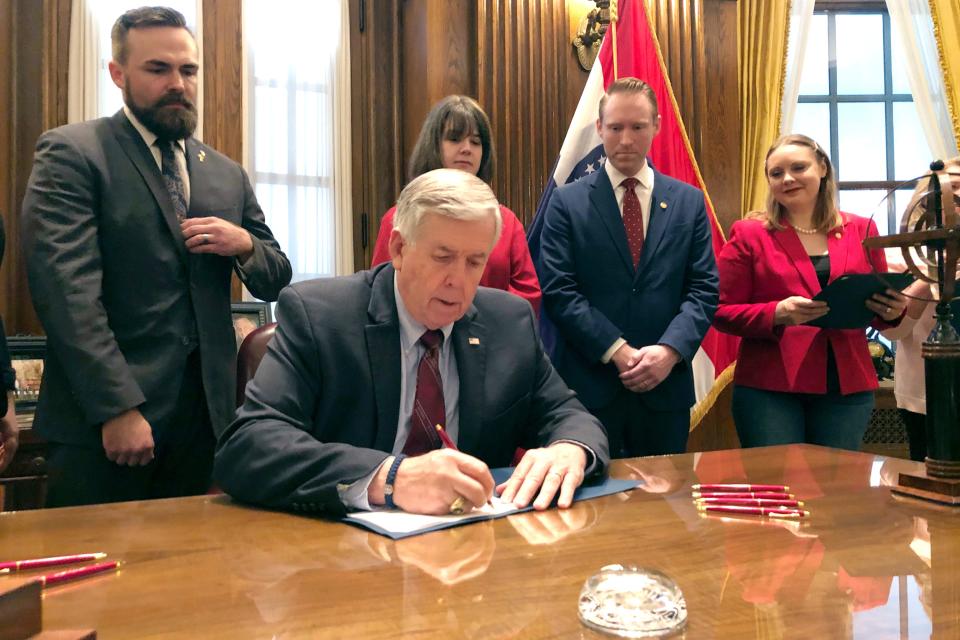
132, 229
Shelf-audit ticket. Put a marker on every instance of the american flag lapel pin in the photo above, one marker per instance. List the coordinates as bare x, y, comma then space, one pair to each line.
473, 341
202, 155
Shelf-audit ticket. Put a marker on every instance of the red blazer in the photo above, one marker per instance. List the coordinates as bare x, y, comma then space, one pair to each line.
758, 268
509, 267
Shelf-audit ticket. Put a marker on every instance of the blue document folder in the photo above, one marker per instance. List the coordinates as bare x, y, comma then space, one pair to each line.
397, 524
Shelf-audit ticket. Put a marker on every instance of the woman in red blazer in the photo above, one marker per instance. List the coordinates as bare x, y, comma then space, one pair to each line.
795, 382
456, 135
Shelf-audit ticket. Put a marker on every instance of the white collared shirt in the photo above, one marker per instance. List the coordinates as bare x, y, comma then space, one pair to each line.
644, 190
179, 150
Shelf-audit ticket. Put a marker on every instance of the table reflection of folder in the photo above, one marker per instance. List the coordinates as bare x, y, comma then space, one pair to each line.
847, 295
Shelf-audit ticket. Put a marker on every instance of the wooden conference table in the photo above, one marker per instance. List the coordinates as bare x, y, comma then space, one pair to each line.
864, 565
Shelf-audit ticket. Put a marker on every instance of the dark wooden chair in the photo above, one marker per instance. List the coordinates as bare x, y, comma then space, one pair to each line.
251, 352
23, 485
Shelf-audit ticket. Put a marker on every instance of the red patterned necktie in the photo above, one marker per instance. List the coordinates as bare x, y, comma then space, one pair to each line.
633, 219
428, 406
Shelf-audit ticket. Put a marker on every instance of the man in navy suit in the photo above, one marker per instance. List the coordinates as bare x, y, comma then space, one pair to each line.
630, 280
131, 230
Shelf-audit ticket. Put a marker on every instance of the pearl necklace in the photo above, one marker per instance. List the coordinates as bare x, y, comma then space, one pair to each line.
809, 232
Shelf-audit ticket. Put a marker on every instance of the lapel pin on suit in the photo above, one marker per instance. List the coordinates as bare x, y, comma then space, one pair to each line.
202, 155
663, 205
473, 341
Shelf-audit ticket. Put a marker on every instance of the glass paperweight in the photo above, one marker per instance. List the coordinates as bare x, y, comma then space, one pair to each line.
632, 602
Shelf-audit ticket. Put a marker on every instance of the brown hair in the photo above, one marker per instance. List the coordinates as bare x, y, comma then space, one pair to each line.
142, 18
629, 85
826, 215
453, 118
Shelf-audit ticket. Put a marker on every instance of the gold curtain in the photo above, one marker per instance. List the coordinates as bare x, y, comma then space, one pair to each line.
946, 27
762, 32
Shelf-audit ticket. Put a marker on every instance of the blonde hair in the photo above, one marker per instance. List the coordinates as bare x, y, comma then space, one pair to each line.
826, 215
446, 192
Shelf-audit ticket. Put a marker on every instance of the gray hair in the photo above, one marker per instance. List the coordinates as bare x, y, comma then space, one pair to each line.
451, 193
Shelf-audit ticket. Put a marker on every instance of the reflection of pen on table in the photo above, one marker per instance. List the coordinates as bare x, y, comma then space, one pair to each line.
774, 512
448, 443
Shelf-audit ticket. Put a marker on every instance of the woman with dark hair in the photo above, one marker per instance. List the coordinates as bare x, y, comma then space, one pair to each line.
8, 419
456, 135
795, 382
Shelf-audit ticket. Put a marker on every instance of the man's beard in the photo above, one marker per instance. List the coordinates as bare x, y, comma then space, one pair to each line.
167, 123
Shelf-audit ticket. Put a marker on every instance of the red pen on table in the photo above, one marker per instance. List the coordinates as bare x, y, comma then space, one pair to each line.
771, 495
53, 561
773, 512
73, 574
740, 487
749, 502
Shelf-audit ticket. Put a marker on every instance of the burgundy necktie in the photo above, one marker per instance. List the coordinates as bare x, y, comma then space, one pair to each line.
428, 407
633, 219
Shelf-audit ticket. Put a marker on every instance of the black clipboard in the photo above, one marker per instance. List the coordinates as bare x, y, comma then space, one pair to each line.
846, 296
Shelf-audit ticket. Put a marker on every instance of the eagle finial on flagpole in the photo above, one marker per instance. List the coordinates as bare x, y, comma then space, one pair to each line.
614, 18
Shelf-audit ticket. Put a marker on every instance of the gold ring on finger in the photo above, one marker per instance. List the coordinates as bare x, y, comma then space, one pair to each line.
458, 506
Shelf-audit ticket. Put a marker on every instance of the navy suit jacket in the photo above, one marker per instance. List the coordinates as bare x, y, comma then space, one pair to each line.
594, 295
324, 405
123, 302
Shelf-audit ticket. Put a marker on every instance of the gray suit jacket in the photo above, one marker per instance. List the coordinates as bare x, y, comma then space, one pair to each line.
323, 407
122, 300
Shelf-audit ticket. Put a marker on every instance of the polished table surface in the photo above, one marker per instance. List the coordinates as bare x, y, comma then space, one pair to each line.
864, 565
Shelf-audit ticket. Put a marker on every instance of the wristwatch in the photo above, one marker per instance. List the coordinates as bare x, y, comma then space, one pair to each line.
391, 478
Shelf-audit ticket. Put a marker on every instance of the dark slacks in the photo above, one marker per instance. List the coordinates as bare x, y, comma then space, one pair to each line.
634, 429
182, 464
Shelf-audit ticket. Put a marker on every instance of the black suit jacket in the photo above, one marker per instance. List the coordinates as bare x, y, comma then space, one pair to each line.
324, 404
122, 300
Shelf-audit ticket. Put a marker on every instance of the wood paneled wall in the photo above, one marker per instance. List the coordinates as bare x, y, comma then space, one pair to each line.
523, 51
223, 77
32, 99
377, 117
8, 46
